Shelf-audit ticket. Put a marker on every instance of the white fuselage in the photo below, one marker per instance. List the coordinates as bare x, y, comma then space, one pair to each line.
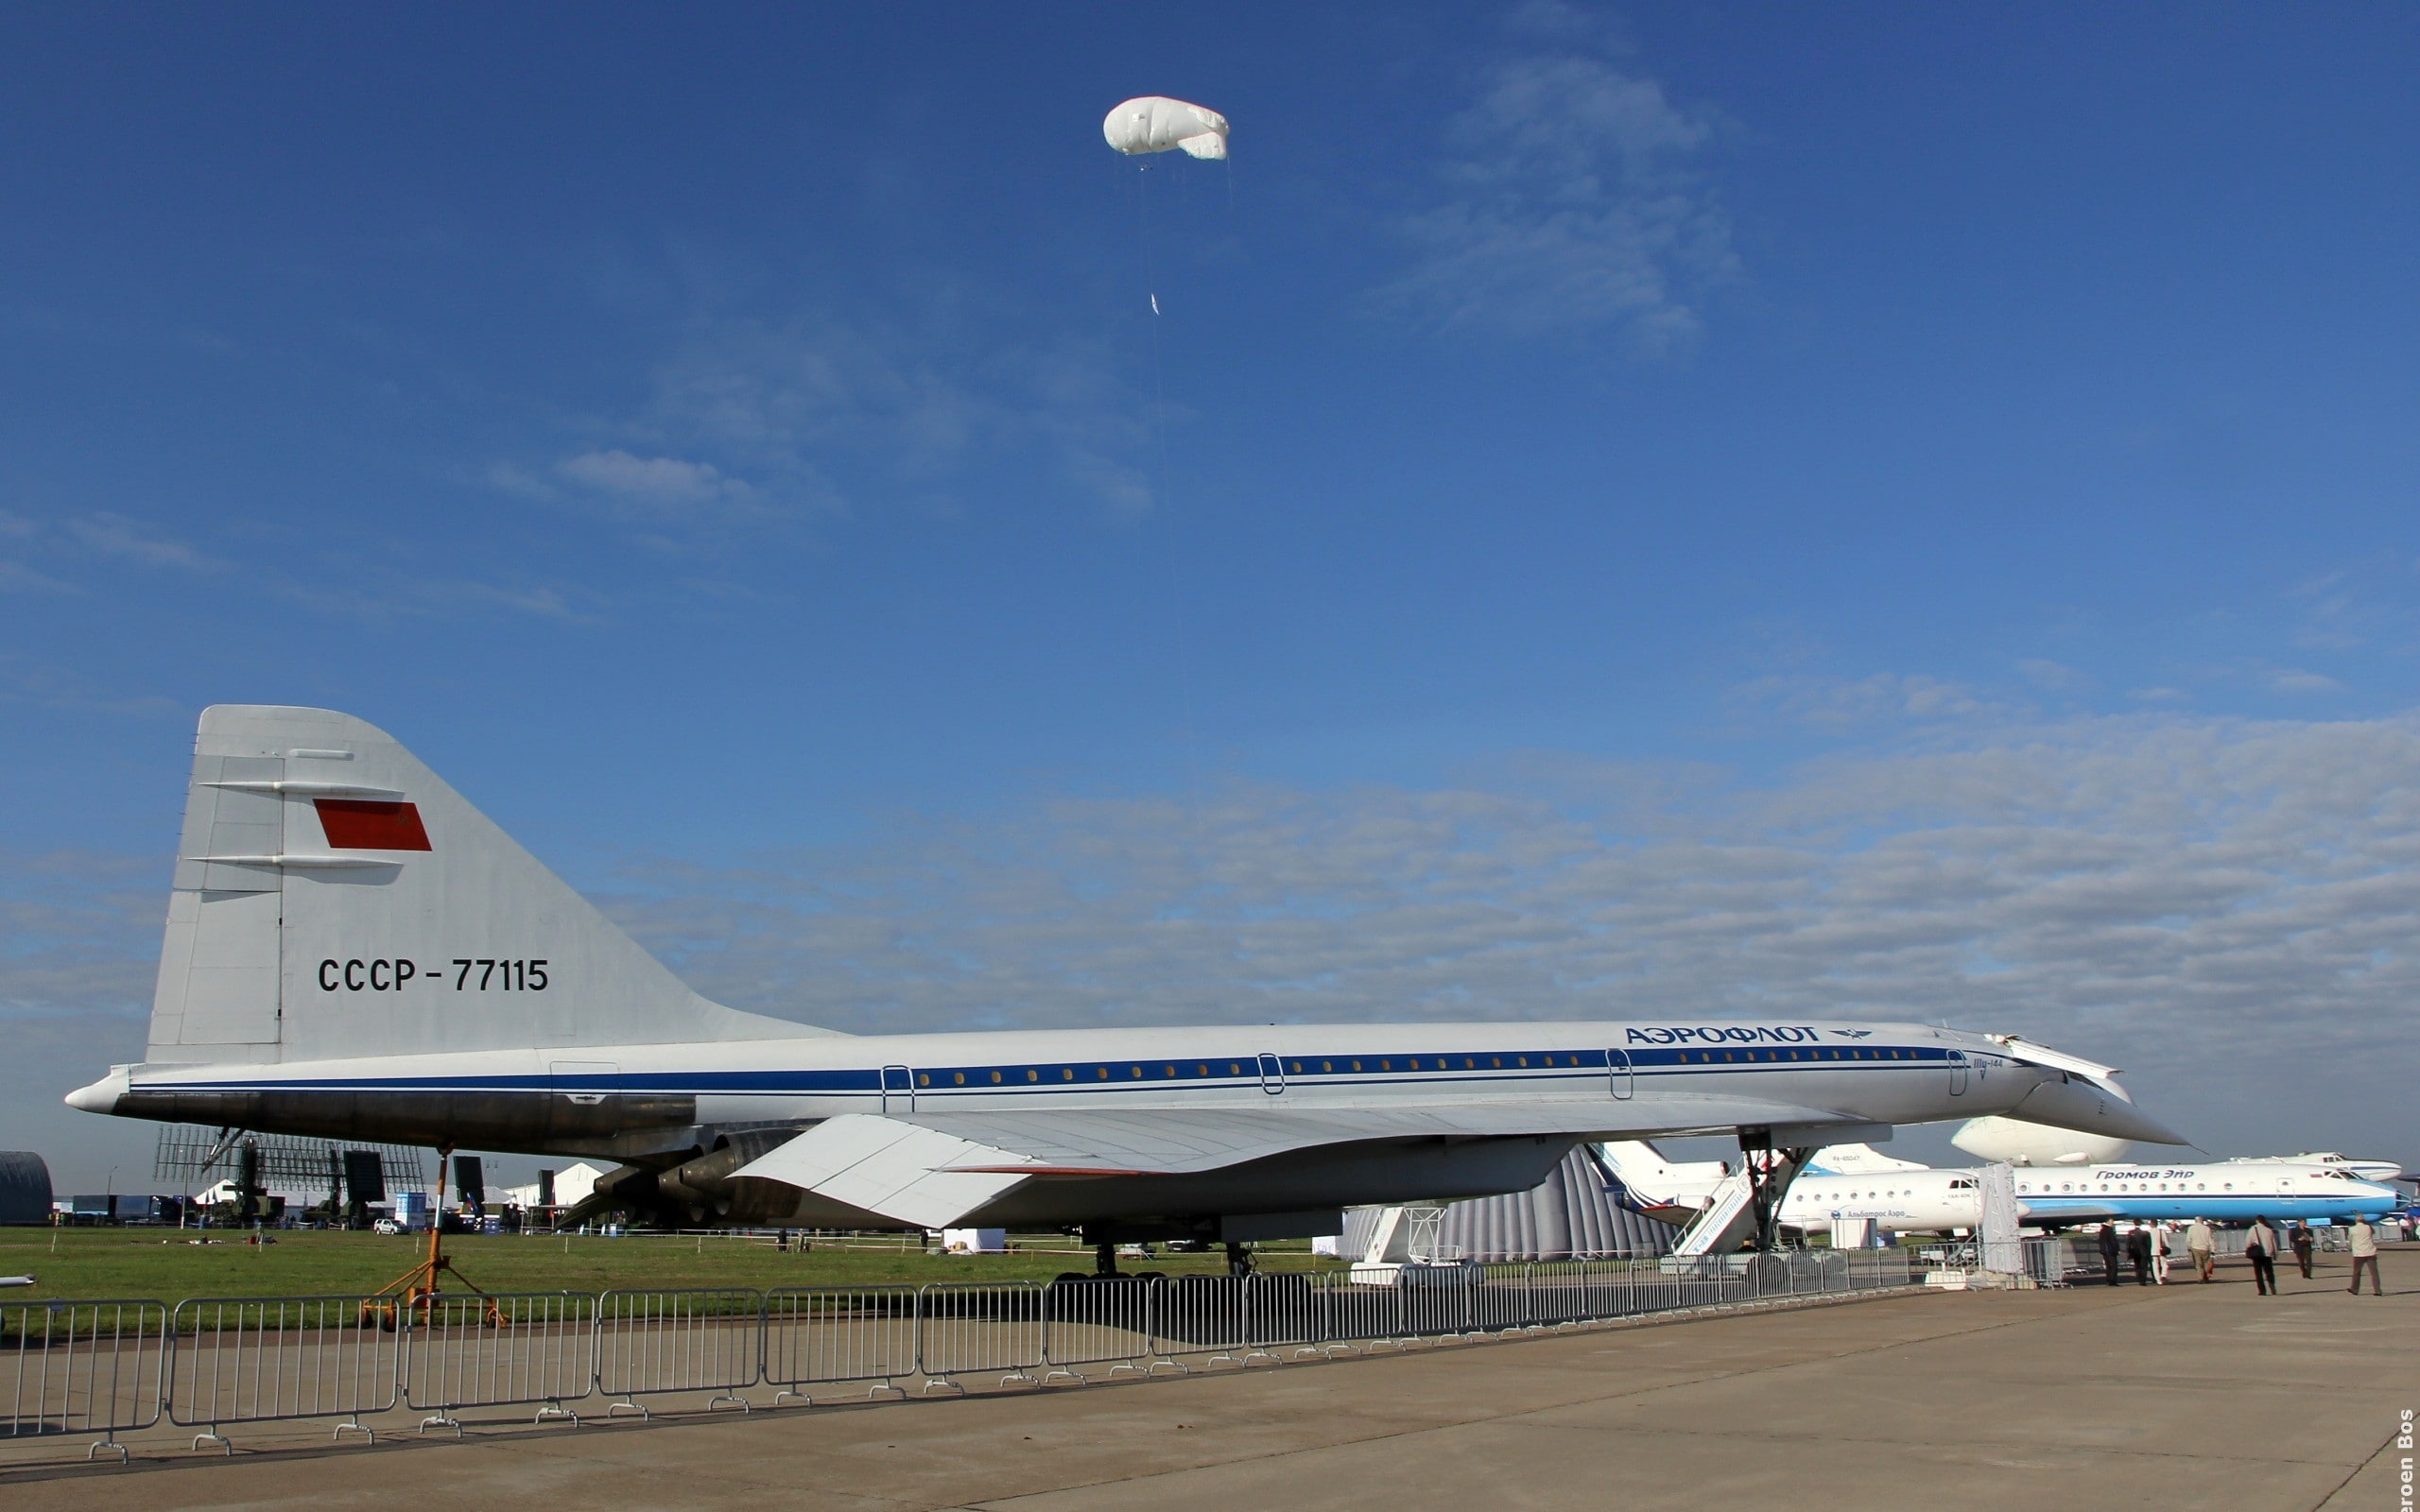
1861, 1073
2232, 1191
2223, 1190
1899, 1201
1924, 1199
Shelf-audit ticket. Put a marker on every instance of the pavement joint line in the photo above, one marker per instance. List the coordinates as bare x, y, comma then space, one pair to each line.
2367, 1460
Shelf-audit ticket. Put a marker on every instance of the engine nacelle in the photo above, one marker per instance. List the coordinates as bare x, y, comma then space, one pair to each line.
703, 1184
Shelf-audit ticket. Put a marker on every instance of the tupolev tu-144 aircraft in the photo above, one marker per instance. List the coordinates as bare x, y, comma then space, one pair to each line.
354, 952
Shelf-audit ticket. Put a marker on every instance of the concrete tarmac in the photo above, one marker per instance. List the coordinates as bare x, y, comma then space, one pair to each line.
2188, 1395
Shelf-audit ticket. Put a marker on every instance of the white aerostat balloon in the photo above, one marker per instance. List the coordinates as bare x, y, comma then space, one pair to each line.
1155, 124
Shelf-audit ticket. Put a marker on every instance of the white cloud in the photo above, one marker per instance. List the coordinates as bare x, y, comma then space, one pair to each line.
653, 481
386, 596
2055, 676
16, 578
872, 409
511, 477
1568, 205
755, 423
24, 680
1840, 703
2295, 679
114, 535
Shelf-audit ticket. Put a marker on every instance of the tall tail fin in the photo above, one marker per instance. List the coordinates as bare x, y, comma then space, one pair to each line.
334, 898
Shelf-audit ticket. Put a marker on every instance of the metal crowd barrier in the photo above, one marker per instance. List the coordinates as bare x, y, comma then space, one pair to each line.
651, 1342
253, 1360
1358, 1318
1200, 1316
105, 1369
1101, 1322
512, 1349
836, 1336
82, 1368
978, 1329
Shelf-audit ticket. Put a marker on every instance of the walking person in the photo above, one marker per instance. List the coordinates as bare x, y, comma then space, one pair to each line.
2163, 1248
2303, 1242
2138, 1253
2109, 1252
2365, 1252
2201, 1244
2261, 1247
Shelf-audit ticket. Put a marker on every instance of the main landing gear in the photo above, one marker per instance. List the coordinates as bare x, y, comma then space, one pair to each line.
1769, 1171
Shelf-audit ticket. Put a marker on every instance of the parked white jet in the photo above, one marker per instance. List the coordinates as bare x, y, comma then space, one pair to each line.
355, 952
1843, 1180
2224, 1189
2379, 1171
1904, 1197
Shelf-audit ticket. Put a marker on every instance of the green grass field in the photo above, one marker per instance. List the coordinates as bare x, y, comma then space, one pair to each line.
163, 1263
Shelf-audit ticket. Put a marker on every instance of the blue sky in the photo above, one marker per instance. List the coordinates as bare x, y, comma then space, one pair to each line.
1923, 496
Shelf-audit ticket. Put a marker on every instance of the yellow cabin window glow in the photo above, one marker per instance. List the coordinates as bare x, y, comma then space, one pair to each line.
1522, 1061
1356, 1065
1298, 1068
996, 1078
1235, 1068
924, 1081
1066, 1073
1033, 1076
1104, 1073
1138, 1071
1171, 1070
960, 1077
1327, 1065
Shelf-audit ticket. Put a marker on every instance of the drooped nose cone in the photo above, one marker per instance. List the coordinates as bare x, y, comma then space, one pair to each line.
100, 1097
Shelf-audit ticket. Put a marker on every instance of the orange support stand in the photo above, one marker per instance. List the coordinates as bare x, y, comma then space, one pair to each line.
416, 1290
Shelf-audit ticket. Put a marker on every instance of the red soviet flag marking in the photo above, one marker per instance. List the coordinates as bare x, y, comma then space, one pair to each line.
359, 824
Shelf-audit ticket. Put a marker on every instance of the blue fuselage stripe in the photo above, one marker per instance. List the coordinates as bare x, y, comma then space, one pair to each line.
1225, 1072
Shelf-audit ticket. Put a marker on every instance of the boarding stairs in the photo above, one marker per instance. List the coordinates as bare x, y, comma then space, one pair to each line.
1733, 1215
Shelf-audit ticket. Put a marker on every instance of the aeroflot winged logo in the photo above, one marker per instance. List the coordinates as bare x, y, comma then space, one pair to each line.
360, 824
